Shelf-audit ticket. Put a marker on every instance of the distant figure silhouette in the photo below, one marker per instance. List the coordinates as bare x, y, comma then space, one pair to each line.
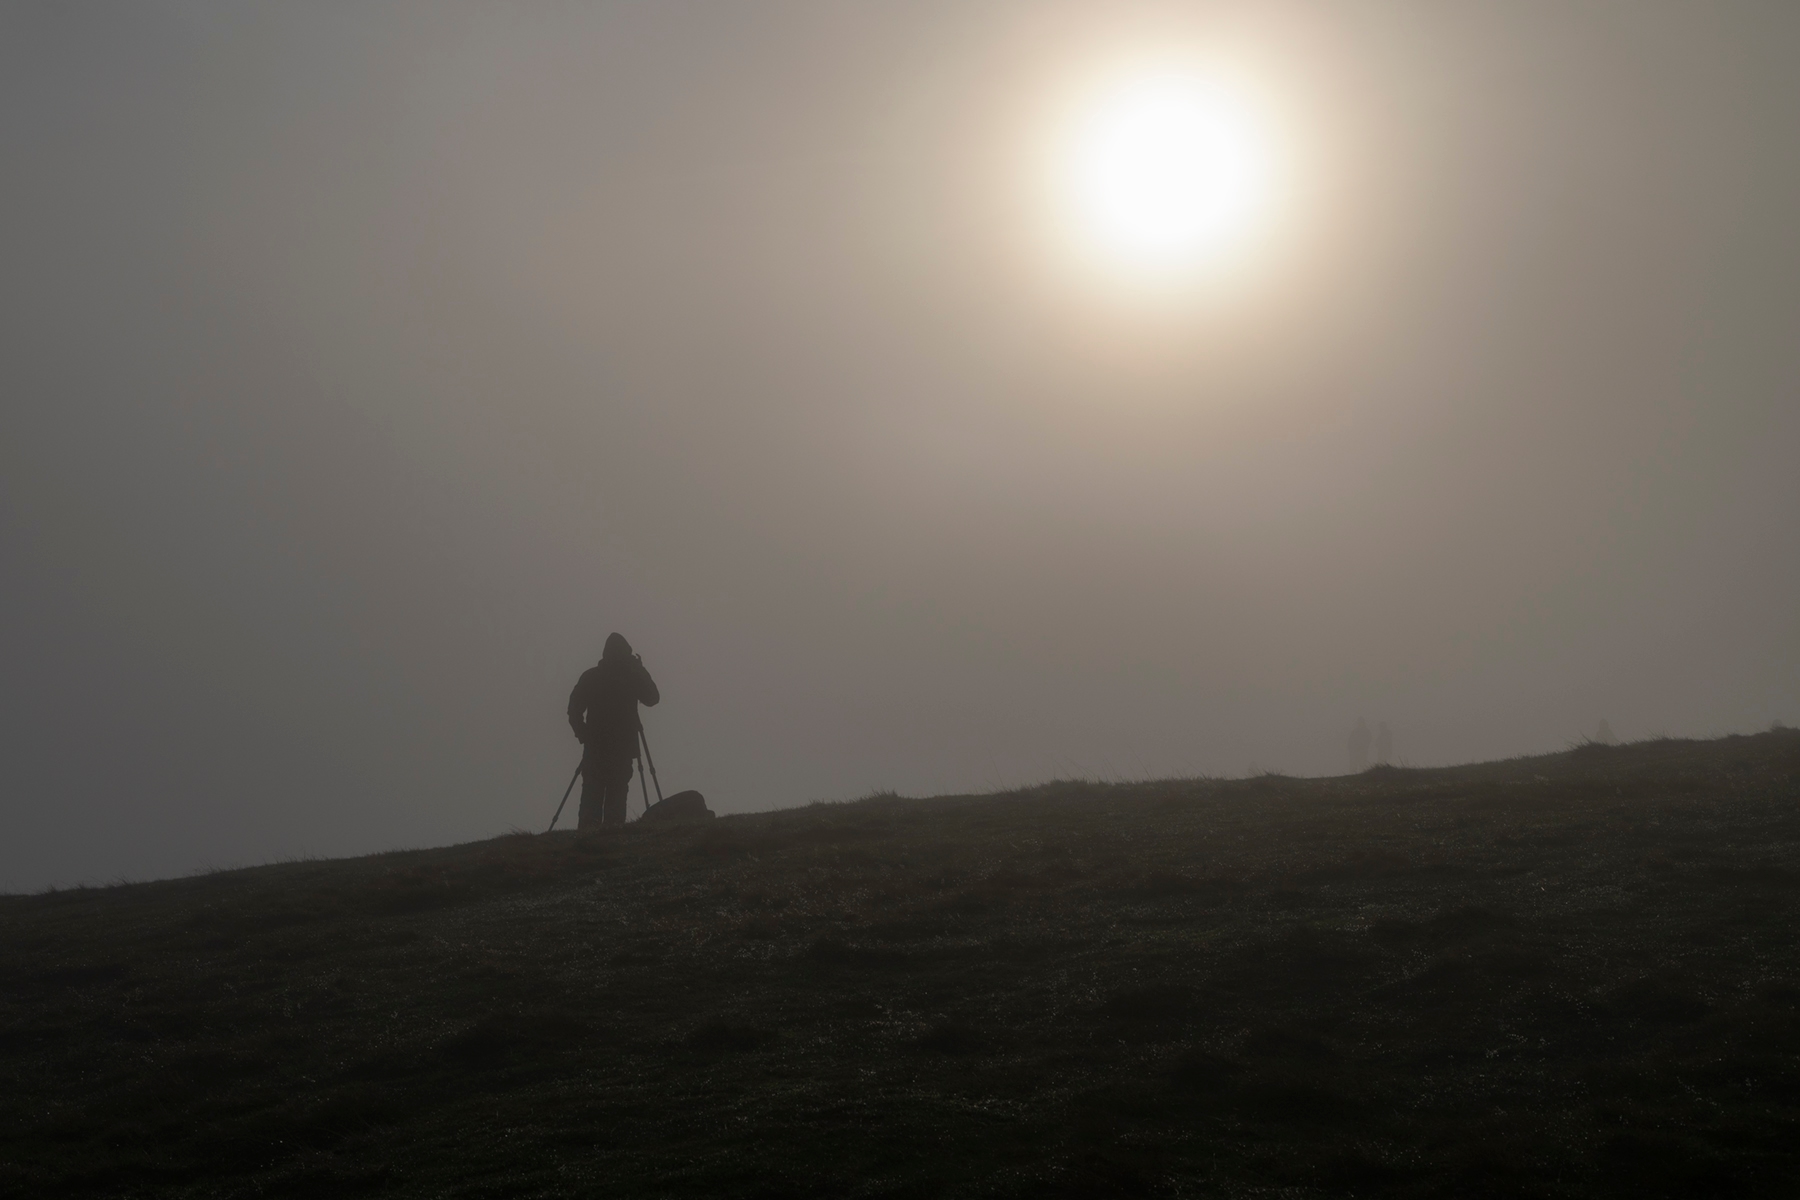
1359, 746
603, 712
1384, 745
1604, 735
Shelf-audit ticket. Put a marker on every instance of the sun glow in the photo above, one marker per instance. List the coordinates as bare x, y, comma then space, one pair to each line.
1163, 171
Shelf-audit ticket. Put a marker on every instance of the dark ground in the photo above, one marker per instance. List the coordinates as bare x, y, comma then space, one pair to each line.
1564, 976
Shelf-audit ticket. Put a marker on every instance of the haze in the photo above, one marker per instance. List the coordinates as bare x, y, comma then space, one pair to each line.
362, 367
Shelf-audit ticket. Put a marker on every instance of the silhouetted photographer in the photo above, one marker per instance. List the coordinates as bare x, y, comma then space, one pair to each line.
603, 712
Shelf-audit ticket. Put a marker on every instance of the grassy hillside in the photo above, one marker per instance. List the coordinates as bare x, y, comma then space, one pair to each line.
1563, 976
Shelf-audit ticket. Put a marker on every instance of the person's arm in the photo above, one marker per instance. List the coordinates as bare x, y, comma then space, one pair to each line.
647, 695
577, 707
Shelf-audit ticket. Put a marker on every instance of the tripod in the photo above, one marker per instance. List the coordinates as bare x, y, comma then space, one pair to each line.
645, 743
565, 799
644, 758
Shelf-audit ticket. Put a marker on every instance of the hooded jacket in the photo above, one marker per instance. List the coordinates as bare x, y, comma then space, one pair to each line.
603, 708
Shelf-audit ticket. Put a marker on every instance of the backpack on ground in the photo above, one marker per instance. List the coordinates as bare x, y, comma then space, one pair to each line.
682, 806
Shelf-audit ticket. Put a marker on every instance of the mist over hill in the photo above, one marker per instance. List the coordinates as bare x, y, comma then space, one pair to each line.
363, 366
1571, 975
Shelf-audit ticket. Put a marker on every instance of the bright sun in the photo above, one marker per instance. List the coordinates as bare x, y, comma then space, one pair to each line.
1164, 171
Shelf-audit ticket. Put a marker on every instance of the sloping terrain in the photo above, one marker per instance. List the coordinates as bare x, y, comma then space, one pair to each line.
1564, 976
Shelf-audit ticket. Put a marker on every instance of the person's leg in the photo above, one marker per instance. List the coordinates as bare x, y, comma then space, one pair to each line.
618, 793
593, 792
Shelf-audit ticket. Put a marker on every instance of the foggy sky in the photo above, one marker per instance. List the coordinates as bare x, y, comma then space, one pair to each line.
362, 367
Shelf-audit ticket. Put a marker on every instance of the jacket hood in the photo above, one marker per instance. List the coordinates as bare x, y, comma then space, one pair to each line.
616, 647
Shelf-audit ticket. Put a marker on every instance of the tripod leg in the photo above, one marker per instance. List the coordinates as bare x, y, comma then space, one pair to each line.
644, 784
644, 741
565, 799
